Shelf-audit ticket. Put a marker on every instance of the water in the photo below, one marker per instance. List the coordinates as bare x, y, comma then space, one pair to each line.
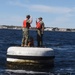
63, 44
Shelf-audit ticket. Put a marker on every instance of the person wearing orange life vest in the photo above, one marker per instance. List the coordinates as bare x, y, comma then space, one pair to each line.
25, 29
40, 31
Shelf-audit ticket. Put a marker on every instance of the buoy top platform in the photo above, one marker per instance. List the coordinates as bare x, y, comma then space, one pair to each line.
30, 51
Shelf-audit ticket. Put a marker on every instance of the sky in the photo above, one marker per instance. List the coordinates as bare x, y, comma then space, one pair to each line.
55, 13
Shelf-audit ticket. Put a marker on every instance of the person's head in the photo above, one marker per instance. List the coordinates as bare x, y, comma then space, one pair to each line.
40, 18
28, 16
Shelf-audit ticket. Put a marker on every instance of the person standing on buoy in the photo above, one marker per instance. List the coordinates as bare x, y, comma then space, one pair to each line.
25, 28
40, 31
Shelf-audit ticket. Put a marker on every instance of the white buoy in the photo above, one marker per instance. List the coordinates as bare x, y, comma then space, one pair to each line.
31, 55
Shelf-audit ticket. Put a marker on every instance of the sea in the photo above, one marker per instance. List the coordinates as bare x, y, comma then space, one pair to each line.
63, 44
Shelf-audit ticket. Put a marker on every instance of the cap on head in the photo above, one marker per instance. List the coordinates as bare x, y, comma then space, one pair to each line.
28, 16
40, 18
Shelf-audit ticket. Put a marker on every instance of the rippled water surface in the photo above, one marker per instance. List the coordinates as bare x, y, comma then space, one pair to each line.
63, 44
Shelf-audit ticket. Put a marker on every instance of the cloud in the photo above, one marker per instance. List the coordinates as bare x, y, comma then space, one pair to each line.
16, 3
41, 8
50, 9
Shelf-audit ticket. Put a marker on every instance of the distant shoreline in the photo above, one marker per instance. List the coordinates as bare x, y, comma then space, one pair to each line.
33, 28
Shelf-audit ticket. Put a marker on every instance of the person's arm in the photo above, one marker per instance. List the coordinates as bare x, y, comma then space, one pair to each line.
31, 20
36, 21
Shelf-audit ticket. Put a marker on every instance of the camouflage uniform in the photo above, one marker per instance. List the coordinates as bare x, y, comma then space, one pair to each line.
40, 35
25, 34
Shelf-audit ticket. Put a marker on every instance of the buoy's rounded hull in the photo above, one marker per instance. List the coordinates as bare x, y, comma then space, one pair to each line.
36, 63
33, 56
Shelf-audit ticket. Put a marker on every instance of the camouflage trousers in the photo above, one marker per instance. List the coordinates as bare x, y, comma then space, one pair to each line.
39, 38
25, 36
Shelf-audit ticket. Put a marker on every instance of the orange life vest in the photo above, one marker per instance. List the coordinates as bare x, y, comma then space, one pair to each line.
38, 25
25, 24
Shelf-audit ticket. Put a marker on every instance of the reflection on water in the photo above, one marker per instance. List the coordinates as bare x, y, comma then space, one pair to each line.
37, 70
36, 67
31, 72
